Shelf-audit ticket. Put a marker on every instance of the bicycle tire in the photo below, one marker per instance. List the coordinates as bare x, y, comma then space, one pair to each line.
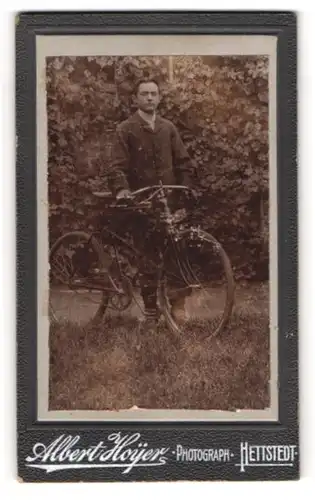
97, 247
172, 324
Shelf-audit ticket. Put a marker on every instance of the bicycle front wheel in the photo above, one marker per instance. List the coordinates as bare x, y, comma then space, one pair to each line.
196, 283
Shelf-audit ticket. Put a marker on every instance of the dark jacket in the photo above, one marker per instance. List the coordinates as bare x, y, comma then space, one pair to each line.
142, 156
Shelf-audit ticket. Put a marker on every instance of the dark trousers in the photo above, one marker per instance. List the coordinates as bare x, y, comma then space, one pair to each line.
150, 243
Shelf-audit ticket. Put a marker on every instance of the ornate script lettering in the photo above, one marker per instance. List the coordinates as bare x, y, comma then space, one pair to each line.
119, 450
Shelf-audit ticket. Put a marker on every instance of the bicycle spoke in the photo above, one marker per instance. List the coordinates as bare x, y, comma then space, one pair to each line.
196, 265
61, 268
72, 296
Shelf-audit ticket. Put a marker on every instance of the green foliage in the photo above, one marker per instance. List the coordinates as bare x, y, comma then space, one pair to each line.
219, 104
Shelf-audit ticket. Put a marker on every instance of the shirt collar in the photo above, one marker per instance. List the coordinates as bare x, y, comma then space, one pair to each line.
150, 119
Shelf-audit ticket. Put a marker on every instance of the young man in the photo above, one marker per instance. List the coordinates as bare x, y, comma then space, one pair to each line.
148, 149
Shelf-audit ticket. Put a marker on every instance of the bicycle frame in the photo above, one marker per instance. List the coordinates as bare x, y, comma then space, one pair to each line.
106, 236
159, 191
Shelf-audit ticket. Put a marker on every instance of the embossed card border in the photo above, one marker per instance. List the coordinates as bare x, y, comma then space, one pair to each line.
30, 429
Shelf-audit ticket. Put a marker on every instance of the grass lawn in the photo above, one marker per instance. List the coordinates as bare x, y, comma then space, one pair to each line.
114, 367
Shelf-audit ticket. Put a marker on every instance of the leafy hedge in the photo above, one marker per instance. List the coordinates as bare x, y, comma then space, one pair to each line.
219, 104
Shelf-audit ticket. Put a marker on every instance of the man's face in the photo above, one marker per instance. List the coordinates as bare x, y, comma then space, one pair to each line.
148, 97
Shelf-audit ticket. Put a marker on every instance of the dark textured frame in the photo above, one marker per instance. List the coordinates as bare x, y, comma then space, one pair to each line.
192, 434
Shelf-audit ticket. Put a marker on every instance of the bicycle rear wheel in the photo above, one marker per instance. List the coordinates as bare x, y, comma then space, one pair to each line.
78, 279
196, 283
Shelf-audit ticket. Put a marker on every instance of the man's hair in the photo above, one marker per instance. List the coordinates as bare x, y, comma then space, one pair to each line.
146, 80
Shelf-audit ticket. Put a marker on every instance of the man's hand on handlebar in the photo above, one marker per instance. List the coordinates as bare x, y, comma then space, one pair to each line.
194, 194
123, 194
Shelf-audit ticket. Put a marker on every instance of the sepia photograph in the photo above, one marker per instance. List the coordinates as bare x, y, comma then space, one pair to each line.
157, 196
156, 216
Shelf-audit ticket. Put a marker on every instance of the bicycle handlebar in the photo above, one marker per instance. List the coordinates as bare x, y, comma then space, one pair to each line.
160, 187
156, 187
146, 204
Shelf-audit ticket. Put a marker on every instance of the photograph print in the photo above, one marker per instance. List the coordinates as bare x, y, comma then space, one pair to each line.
157, 170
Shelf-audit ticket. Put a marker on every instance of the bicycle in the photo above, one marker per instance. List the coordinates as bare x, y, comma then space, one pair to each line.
101, 268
